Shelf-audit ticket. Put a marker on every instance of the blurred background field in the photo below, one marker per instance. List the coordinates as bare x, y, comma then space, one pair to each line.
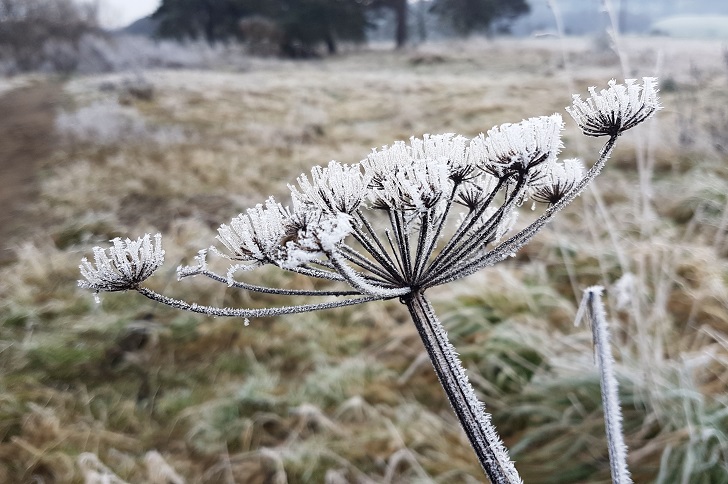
180, 138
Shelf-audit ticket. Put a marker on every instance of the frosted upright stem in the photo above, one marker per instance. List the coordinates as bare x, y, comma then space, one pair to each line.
469, 410
610, 388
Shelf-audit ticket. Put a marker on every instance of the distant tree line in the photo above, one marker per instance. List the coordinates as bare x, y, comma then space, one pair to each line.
44, 34
57, 35
298, 28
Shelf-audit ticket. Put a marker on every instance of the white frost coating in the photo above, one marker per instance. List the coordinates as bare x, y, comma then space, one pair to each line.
318, 234
332, 230
201, 265
617, 108
230, 274
506, 225
592, 304
453, 376
429, 152
412, 184
255, 235
336, 188
358, 282
450, 148
381, 162
521, 146
561, 179
128, 263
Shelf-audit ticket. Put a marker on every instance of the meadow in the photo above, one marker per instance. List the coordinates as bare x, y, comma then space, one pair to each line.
348, 395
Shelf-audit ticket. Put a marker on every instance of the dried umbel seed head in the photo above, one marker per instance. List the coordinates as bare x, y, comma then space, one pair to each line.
525, 147
444, 149
335, 188
448, 148
127, 264
562, 178
313, 235
413, 177
617, 108
255, 235
475, 191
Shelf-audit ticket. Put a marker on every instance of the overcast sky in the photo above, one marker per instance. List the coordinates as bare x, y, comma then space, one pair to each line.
120, 13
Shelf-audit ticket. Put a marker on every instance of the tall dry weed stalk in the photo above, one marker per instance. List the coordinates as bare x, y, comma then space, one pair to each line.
389, 228
592, 305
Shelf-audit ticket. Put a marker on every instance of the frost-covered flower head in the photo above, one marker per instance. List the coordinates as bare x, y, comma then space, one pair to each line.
562, 178
527, 146
417, 186
127, 264
335, 188
412, 177
312, 235
255, 235
450, 148
617, 108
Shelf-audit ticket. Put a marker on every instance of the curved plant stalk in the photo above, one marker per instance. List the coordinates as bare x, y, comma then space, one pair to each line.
250, 313
476, 422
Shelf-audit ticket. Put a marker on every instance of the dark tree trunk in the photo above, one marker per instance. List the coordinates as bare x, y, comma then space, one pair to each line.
421, 21
209, 23
330, 42
400, 11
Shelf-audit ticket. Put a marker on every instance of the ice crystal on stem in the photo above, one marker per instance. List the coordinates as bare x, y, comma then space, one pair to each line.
386, 228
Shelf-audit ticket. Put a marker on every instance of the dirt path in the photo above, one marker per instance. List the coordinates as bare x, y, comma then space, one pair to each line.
27, 140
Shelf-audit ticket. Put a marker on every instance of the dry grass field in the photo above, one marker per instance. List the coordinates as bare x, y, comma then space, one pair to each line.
348, 395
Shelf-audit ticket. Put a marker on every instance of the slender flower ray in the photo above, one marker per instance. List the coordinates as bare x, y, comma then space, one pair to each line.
431, 241
313, 272
360, 283
467, 225
476, 238
402, 244
191, 272
525, 235
250, 313
377, 249
422, 241
355, 257
397, 255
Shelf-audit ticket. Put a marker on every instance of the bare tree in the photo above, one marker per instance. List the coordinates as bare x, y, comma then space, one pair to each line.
44, 34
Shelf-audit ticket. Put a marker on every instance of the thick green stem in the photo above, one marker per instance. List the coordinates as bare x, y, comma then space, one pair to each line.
470, 411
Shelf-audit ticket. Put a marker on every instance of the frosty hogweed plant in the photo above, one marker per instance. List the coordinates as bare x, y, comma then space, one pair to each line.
388, 227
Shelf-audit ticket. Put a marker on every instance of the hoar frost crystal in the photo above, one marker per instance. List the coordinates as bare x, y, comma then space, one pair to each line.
408, 217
